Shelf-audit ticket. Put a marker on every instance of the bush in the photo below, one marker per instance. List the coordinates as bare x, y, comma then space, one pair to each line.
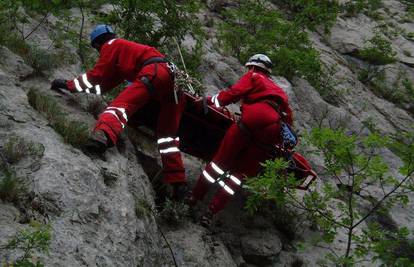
174, 213
379, 52
153, 22
73, 132
313, 13
143, 208
11, 188
369, 7
37, 238
244, 33
354, 162
17, 148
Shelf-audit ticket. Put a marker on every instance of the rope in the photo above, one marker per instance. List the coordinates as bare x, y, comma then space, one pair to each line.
165, 239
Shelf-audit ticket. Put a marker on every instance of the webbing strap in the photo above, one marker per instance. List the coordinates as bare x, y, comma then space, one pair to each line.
154, 60
148, 85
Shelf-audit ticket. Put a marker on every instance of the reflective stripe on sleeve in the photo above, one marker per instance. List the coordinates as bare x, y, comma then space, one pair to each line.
169, 150
77, 85
215, 101
116, 115
98, 89
208, 177
216, 168
167, 139
122, 110
85, 81
87, 91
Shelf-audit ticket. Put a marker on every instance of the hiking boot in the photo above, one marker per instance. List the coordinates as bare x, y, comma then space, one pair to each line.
207, 219
179, 192
96, 143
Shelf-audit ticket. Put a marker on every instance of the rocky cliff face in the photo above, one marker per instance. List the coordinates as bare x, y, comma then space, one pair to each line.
91, 203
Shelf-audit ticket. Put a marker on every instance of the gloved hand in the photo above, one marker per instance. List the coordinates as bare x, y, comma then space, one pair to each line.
58, 84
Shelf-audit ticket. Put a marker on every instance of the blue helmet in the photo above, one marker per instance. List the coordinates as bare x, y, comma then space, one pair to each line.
99, 30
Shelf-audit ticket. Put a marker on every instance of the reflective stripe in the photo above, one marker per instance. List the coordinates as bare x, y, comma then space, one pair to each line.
85, 81
216, 168
215, 101
208, 177
167, 139
169, 150
77, 85
88, 91
122, 110
98, 89
111, 41
235, 179
227, 188
116, 115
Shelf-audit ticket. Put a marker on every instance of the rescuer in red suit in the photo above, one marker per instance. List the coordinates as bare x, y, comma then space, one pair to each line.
264, 106
150, 77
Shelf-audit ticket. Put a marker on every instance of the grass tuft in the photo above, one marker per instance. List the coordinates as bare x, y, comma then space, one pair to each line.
73, 132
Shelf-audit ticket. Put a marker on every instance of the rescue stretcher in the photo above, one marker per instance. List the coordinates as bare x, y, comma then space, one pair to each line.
202, 130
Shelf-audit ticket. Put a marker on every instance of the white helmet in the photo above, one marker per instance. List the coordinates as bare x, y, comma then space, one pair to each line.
261, 61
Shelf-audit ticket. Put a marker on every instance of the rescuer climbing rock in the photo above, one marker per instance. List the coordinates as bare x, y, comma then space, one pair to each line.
151, 78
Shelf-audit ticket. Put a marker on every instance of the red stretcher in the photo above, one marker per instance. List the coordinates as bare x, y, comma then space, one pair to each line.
202, 129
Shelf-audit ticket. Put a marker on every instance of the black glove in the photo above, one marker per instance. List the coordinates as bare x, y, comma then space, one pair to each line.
59, 84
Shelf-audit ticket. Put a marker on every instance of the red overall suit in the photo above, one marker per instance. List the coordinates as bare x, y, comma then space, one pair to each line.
241, 150
122, 60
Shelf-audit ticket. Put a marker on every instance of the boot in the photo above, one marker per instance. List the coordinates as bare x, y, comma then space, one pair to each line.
180, 192
97, 143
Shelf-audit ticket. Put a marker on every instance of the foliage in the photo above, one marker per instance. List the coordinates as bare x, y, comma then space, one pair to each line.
354, 7
35, 239
175, 213
355, 162
244, 33
379, 52
313, 13
11, 188
153, 22
391, 247
143, 208
17, 148
73, 132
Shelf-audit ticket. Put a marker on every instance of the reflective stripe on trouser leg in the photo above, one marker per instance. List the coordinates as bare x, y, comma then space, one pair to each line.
171, 159
227, 190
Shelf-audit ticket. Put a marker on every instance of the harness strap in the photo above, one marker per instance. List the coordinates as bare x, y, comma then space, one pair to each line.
154, 60
148, 84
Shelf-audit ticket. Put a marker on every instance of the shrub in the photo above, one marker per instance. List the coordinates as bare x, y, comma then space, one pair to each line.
369, 7
173, 212
17, 148
35, 239
354, 162
143, 208
73, 132
313, 13
244, 33
153, 21
379, 52
11, 188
